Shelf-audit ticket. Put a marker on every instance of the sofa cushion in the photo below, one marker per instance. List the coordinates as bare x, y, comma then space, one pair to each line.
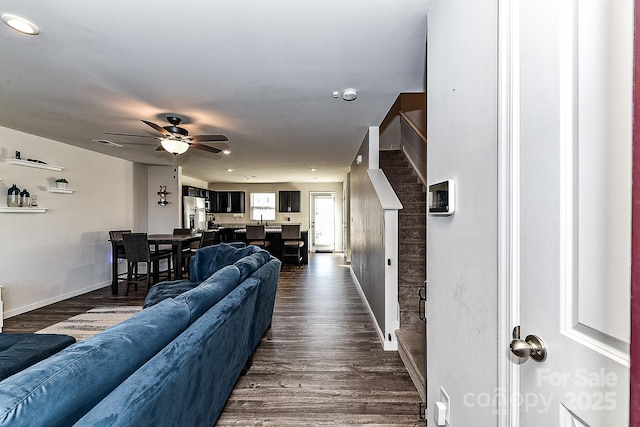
210, 259
249, 264
59, 390
170, 289
262, 315
211, 291
189, 381
19, 351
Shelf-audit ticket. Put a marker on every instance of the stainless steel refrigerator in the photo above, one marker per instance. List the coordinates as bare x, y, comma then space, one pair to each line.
194, 214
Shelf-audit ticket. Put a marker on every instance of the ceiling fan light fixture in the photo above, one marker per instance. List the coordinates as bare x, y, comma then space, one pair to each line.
174, 146
20, 24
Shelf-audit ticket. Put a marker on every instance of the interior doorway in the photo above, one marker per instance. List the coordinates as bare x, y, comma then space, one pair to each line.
323, 221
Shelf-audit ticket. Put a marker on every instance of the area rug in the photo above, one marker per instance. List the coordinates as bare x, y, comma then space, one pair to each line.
91, 322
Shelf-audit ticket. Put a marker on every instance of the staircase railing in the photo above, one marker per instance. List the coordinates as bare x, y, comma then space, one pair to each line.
414, 145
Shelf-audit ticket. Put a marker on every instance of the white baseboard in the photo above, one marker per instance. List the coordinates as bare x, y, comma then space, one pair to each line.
57, 298
386, 345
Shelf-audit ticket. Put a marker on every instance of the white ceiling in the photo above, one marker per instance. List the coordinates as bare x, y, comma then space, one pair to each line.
260, 72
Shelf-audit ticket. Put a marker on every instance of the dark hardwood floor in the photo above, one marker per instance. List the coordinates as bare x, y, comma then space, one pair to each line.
320, 364
41, 318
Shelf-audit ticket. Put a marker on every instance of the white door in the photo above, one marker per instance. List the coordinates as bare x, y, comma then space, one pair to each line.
323, 222
570, 170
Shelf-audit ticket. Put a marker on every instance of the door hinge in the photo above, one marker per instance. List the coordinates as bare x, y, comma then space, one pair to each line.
422, 303
423, 412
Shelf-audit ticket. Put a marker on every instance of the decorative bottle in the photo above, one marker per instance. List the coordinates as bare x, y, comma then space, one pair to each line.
25, 198
13, 197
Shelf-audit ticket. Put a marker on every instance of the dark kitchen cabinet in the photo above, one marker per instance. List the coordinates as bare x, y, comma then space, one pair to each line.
188, 190
229, 202
288, 201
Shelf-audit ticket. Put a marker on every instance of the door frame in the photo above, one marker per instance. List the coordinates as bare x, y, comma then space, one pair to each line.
508, 207
634, 404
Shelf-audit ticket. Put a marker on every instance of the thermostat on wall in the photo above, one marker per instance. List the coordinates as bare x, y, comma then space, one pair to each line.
442, 198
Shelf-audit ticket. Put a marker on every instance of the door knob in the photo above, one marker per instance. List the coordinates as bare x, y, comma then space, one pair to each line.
532, 346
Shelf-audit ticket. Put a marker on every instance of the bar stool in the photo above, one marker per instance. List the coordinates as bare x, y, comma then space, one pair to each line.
291, 241
257, 235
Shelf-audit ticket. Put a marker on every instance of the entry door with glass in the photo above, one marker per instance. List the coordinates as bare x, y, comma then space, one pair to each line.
323, 222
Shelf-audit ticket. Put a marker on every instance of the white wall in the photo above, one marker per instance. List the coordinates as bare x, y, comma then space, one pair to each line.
64, 252
194, 182
462, 249
163, 219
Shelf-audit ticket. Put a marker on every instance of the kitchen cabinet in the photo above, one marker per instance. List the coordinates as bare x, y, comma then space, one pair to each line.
229, 202
188, 190
288, 201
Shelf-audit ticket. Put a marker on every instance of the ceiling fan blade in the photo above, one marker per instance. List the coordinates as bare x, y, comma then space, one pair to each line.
219, 145
203, 138
197, 146
141, 143
204, 148
128, 134
158, 128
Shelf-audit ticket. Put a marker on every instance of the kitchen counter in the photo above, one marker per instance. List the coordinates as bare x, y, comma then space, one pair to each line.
273, 235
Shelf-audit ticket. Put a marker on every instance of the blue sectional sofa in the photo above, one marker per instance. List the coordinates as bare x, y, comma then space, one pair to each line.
173, 364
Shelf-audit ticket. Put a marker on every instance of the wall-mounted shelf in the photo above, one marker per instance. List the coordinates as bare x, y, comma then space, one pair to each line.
22, 210
36, 165
60, 190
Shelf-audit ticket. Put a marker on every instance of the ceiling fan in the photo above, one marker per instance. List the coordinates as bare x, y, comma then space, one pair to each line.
176, 139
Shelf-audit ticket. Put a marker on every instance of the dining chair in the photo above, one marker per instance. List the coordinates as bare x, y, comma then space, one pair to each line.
137, 250
187, 253
291, 241
181, 231
208, 238
257, 236
115, 237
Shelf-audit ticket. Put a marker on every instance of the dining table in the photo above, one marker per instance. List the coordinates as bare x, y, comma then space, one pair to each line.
178, 243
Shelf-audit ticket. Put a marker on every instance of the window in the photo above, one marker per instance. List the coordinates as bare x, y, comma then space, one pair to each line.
263, 206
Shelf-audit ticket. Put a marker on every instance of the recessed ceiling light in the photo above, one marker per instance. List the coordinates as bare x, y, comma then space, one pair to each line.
20, 24
313, 169
229, 170
226, 152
